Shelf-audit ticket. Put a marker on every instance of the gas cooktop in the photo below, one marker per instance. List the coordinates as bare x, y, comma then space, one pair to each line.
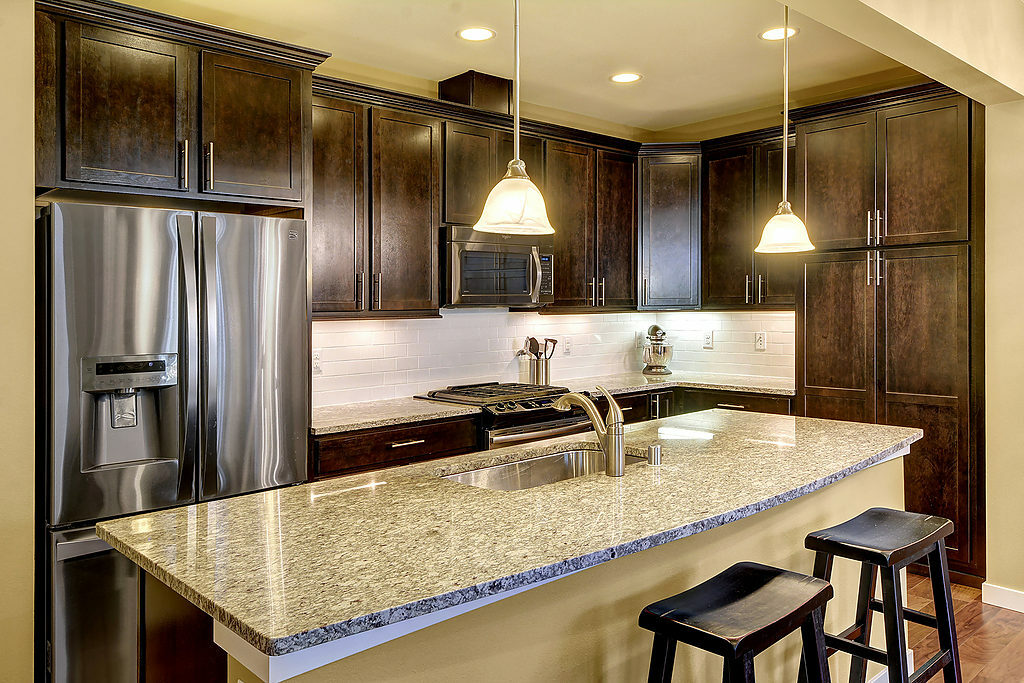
499, 397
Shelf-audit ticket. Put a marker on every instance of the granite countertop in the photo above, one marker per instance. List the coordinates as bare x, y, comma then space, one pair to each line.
369, 414
626, 382
352, 416
295, 567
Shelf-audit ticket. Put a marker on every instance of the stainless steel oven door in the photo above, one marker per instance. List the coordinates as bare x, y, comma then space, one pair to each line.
488, 274
510, 436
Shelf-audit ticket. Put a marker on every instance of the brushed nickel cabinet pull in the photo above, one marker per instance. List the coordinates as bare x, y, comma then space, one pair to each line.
646, 298
602, 303
359, 291
734, 406
592, 297
746, 290
760, 288
210, 180
869, 228
869, 268
184, 164
377, 280
402, 444
878, 268
878, 226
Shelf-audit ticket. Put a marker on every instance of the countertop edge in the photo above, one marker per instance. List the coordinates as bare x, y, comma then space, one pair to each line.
299, 641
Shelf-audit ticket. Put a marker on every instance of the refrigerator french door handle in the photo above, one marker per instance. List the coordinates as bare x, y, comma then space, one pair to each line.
208, 258
190, 320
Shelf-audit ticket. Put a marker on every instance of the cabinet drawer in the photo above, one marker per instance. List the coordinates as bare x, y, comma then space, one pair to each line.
377, 448
757, 403
635, 407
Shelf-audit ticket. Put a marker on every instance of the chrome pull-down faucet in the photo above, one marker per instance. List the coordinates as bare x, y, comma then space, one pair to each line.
610, 432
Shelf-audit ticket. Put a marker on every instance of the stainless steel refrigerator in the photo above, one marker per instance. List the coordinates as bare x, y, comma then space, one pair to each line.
178, 371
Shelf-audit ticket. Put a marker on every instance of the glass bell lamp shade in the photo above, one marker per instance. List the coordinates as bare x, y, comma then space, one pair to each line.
784, 233
515, 206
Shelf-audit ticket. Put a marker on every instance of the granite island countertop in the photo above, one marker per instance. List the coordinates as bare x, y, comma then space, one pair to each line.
296, 567
349, 417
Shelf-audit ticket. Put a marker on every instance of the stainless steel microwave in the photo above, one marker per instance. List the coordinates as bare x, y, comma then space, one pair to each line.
485, 269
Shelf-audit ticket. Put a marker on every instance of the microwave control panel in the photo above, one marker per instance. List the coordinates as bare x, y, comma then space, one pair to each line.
547, 286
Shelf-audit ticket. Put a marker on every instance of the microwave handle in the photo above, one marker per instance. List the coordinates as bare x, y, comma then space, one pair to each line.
535, 294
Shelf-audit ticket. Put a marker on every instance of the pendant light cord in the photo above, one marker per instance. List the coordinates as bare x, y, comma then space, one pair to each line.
515, 88
785, 105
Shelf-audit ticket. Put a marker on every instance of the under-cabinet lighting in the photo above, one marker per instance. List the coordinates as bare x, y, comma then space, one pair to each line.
476, 34
778, 33
626, 77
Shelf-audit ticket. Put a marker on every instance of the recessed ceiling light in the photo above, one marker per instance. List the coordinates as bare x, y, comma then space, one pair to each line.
778, 33
476, 33
626, 78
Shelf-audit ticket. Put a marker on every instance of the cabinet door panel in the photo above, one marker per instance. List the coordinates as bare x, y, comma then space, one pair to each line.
616, 229
924, 159
338, 224
670, 232
776, 275
836, 179
469, 153
531, 151
924, 380
727, 251
406, 209
836, 338
252, 115
127, 108
569, 180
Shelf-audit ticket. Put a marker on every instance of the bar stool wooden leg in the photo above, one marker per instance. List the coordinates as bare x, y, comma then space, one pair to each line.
868, 573
814, 659
895, 629
938, 572
822, 570
739, 670
663, 657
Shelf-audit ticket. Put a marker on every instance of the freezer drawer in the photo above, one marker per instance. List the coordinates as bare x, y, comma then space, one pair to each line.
93, 611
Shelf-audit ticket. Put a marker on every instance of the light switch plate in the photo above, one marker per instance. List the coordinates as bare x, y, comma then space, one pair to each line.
639, 340
567, 346
709, 339
317, 370
760, 341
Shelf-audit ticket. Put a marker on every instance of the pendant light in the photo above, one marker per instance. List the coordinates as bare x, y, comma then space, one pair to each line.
784, 232
515, 206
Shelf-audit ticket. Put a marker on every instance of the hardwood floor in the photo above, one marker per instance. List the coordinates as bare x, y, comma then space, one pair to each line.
991, 638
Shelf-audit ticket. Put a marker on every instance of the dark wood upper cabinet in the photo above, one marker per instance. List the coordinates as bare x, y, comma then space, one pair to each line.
836, 177
251, 127
835, 367
469, 171
128, 108
338, 226
727, 248
616, 234
775, 275
923, 361
923, 177
569, 195
406, 173
531, 151
670, 231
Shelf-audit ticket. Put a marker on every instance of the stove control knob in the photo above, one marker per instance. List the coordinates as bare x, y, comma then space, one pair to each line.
499, 406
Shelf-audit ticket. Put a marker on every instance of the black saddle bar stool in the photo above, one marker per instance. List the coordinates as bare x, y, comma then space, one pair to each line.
885, 541
737, 614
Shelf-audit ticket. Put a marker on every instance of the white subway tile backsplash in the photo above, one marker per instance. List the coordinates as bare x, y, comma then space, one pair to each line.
364, 360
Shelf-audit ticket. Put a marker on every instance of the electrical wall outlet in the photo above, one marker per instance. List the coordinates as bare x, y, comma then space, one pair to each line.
317, 370
760, 341
639, 340
709, 339
567, 346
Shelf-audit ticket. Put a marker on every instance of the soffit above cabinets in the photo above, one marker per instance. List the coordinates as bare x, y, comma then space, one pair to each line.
700, 59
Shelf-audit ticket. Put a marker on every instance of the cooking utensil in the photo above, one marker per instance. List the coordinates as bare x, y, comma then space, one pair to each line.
549, 352
534, 346
526, 348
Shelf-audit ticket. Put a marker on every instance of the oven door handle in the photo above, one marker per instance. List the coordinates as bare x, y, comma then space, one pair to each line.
535, 292
518, 437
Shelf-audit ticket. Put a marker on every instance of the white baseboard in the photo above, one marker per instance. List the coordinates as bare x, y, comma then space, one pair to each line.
999, 596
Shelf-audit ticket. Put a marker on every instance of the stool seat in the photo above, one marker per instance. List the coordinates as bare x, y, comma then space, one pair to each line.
881, 536
744, 609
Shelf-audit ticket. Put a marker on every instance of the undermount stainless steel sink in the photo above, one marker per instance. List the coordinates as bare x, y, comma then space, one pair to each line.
544, 469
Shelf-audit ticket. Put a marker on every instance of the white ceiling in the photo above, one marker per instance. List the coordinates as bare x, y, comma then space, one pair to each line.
701, 59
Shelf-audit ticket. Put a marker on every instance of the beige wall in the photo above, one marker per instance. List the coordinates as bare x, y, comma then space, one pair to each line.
17, 434
1004, 330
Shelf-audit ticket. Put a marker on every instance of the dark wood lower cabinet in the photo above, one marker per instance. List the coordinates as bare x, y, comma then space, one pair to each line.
734, 400
372, 449
884, 336
176, 639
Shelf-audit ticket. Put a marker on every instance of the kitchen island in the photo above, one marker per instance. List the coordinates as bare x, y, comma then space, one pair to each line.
334, 580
